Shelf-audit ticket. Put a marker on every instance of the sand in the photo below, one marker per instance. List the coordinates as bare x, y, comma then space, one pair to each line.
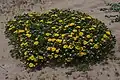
11, 69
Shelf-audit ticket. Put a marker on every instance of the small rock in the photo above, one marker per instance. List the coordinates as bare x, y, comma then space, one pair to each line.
76, 75
6, 77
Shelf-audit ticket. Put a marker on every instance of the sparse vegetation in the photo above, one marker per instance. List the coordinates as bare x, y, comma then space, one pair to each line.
114, 7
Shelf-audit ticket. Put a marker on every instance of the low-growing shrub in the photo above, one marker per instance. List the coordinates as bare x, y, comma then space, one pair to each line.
60, 36
114, 7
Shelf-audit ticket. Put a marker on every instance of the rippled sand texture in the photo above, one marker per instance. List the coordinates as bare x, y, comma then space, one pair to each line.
11, 69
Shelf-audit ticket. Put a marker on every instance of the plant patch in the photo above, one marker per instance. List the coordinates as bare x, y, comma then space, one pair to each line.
58, 36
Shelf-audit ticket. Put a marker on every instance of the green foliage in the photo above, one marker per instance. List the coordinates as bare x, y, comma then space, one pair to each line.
114, 7
60, 36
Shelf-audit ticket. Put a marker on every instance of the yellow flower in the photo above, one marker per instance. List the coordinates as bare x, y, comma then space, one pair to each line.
56, 30
105, 36
72, 33
64, 41
70, 47
88, 36
83, 30
75, 38
102, 39
27, 31
80, 33
48, 34
56, 34
25, 44
54, 15
63, 35
53, 39
92, 28
41, 21
36, 38
64, 29
69, 35
14, 19
60, 21
26, 25
91, 40
73, 17
28, 35
49, 39
19, 31
31, 65
77, 47
89, 17
59, 40
36, 63
74, 30
36, 43
85, 42
11, 28
27, 22
21, 39
55, 55
77, 26
35, 60
60, 27
68, 59
16, 31
57, 51
53, 49
25, 53
53, 27
20, 21
49, 48
30, 14
21, 44
40, 57
28, 59
82, 18
96, 46
82, 53
32, 57
61, 12
81, 48
71, 24
108, 32
65, 46
50, 56
66, 26
49, 22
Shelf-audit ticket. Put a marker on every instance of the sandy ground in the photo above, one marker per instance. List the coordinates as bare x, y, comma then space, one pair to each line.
11, 69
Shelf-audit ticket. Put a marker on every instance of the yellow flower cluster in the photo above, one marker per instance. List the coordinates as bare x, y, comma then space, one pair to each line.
53, 49
60, 35
54, 40
36, 43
